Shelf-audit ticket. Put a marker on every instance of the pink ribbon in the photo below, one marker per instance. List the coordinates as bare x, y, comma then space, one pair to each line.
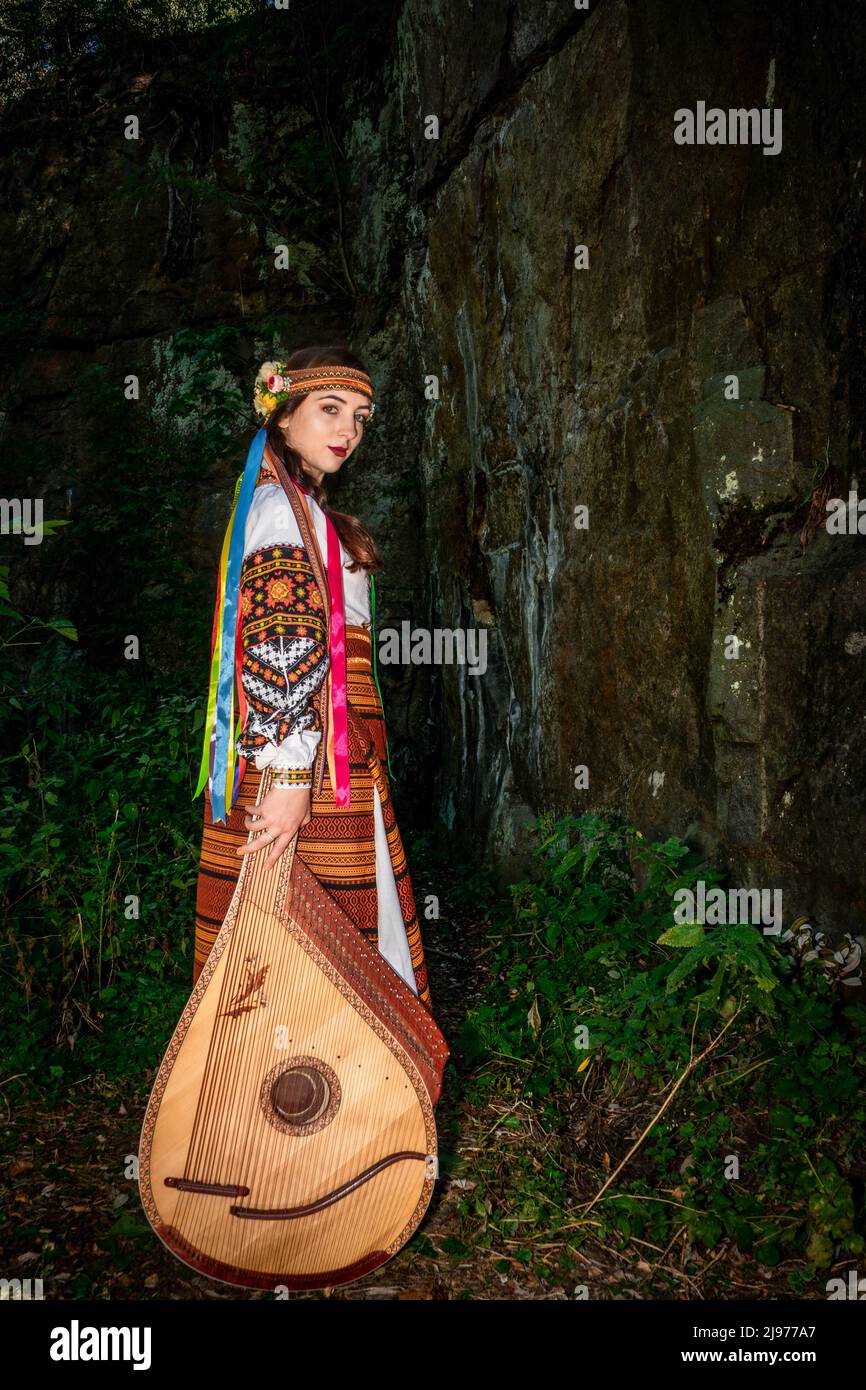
337, 654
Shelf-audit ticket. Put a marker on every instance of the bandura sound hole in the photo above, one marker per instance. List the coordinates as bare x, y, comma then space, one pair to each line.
300, 1095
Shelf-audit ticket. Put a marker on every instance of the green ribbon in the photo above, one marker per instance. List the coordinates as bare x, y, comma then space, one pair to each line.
375, 675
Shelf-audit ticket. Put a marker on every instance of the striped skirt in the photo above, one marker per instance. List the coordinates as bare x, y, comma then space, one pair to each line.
338, 843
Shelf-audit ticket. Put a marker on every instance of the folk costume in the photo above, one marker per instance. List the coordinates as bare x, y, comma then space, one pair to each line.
293, 645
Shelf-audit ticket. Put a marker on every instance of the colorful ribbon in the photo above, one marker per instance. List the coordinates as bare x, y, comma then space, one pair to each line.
224, 769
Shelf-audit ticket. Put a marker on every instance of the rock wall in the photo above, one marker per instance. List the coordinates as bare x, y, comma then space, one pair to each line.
609, 387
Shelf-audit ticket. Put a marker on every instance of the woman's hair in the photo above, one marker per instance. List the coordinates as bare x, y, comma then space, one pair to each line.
353, 534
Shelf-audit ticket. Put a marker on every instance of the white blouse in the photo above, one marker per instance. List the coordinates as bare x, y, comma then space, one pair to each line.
271, 521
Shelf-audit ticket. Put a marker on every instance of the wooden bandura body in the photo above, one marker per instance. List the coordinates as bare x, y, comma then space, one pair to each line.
289, 1139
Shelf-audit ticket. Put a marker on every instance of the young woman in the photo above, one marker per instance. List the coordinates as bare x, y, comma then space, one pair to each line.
292, 639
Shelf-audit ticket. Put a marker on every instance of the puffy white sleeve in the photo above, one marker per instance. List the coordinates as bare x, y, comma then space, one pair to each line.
284, 640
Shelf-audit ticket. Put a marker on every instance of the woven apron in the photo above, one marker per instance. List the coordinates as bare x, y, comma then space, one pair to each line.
338, 842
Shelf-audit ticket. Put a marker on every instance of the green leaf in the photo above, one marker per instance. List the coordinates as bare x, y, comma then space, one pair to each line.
782, 1118
64, 627
682, 934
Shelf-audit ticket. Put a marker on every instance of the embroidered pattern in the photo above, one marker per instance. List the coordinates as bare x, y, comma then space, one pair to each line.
290, 776
284, 646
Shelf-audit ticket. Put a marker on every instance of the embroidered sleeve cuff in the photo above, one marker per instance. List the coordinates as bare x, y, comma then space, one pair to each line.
293, 779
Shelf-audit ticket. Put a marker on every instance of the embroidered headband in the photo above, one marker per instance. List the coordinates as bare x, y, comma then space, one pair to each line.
275, 383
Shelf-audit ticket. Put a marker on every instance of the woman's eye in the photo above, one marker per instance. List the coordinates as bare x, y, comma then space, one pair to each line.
362, 418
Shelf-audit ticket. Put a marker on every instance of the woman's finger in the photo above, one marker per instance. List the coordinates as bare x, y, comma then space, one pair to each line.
281, 843
260, 842
268, 839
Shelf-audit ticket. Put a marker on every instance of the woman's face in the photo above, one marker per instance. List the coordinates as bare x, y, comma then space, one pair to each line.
325, 429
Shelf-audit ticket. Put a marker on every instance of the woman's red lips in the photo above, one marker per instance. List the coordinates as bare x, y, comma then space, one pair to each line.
341, 453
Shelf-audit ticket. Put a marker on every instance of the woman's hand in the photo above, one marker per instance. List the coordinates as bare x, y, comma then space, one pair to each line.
280, 815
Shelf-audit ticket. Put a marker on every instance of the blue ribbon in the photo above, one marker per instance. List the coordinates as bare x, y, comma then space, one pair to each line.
231, 600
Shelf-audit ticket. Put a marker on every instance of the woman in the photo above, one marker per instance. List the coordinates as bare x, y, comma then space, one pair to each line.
297, 631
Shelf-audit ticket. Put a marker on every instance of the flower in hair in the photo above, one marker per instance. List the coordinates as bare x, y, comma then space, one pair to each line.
271, 387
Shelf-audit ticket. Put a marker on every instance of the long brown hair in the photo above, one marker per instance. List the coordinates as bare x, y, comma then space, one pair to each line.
352, 532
